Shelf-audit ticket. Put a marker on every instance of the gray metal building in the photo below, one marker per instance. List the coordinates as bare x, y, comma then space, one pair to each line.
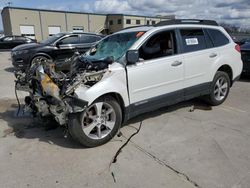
40, 23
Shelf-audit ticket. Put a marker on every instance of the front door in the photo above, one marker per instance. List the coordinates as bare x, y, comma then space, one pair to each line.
66, 47
157, 79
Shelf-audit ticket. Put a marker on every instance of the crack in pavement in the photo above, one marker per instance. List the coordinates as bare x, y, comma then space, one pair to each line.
114, 160
159, 161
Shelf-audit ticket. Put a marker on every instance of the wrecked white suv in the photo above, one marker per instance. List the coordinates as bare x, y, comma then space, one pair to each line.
134, 71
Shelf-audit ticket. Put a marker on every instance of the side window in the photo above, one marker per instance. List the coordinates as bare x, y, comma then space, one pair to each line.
70, 40
6, 39
21, 39
159, 45
89, 39
193, 39
218, 38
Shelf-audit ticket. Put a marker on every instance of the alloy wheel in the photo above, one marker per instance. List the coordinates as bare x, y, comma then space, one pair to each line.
221, 88
98, 120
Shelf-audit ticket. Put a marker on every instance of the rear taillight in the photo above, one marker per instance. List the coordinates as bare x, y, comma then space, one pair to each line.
237, 47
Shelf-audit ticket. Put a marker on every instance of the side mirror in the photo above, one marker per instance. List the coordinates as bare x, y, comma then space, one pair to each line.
58, 44
132, 56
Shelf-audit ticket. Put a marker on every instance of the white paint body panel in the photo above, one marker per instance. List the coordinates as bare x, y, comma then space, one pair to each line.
155, 77
114, 81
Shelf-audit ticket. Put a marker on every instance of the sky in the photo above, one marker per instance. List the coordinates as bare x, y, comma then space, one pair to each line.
236, 12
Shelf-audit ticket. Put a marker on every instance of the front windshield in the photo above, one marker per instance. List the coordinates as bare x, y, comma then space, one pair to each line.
114, 46
52, 38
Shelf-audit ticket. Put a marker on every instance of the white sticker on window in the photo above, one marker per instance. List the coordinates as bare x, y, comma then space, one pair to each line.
192, 41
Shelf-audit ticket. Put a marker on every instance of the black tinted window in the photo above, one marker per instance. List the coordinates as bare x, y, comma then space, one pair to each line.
21, 39
218, 38
193, 39
70, 40
89, 39
162, 44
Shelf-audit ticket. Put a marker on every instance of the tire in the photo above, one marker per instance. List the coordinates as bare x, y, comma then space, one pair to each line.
98, 124
39, 58
219, 89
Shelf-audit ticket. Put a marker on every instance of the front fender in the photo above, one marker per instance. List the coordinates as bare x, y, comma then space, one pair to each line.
112, 82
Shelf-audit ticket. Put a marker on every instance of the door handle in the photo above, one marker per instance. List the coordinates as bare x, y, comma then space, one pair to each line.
212, 55
176, 63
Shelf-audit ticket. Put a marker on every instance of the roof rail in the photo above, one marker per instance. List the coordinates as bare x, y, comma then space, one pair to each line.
187, 21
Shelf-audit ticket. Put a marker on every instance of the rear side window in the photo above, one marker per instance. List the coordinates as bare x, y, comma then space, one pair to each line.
193, 40
21, 39
218, 38
89, 38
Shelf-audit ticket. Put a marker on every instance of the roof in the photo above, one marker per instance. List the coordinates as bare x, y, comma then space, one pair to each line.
136, 29
78, 12
175, 22
187, 21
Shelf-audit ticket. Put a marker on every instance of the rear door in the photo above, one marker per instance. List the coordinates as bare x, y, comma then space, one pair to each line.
157, 79
198, 60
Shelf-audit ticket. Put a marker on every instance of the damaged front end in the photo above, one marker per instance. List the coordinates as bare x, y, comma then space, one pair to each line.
51, 90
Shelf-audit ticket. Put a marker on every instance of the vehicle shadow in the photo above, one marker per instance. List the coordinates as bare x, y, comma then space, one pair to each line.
10, 69
194, 104
244, 78
27, 127
5, 50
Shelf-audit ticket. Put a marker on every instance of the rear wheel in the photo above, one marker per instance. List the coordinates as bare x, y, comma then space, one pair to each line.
98, 124
219, 89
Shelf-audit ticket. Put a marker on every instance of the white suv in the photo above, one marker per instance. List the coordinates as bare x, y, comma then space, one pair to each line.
153, 66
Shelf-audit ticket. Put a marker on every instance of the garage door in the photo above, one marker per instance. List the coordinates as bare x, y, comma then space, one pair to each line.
54, 30
28, 31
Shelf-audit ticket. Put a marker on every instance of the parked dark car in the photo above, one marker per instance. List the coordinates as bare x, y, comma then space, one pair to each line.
243, 41
245, 55
9, 42
57, 48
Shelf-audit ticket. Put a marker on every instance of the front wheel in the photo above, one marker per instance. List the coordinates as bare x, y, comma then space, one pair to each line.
98, 124
39, 59
219, 89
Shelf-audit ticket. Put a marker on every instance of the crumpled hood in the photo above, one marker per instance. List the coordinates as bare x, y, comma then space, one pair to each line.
27, 46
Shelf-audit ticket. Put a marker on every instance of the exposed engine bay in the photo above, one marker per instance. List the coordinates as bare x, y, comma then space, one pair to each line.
51, 85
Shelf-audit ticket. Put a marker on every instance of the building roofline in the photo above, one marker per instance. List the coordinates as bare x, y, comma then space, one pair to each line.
78, 12
50, 10
156, 17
